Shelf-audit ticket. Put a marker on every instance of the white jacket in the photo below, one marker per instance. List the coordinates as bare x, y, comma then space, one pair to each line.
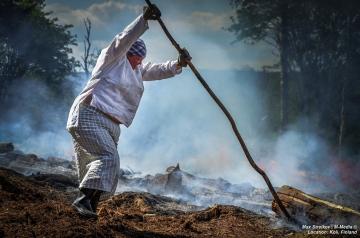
115, 87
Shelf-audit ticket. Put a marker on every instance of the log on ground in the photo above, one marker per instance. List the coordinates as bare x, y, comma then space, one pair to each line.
313, 210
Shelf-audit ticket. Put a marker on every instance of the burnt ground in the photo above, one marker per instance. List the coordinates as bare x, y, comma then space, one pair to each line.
33, 207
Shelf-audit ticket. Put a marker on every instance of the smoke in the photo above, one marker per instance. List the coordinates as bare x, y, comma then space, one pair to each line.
35, 117
298, 158
178, 122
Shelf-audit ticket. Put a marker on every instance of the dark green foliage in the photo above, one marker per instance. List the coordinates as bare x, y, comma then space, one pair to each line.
319, 47
32, 45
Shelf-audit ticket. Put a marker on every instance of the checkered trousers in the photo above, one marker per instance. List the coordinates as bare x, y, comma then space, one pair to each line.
95, 141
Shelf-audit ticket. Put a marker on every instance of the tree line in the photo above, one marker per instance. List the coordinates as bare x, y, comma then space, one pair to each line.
317, 43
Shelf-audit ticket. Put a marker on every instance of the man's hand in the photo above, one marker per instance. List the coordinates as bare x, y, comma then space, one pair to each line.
184, 58
151, 12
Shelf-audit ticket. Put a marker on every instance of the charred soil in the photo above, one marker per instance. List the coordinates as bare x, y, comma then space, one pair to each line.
30, 207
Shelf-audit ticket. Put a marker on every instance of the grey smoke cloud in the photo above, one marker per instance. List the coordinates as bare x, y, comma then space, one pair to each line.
34, 118
178, 122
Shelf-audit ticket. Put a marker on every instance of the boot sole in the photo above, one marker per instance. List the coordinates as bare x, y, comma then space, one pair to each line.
84, 212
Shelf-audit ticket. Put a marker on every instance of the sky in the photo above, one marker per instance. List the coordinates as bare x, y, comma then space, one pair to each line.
200, 26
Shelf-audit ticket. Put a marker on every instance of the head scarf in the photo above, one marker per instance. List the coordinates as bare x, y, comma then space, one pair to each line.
138, 48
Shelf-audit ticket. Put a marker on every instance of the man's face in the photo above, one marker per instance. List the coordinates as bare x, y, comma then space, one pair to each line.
135, 60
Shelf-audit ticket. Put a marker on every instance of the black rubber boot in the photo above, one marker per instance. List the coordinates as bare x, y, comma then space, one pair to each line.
83, 203
95, 199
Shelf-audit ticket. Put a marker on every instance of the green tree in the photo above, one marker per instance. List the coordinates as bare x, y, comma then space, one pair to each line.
33, 45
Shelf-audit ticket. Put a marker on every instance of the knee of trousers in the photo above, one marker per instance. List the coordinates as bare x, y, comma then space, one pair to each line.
105, 164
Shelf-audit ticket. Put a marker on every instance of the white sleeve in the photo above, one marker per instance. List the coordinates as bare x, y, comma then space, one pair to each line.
120, 45
150, 71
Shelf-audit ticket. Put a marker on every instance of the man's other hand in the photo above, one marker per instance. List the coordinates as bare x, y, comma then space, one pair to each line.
184, 58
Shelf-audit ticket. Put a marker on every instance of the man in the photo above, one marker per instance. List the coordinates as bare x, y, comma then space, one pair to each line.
110, 98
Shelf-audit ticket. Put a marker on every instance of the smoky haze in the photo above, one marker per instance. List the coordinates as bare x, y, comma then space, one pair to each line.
177, 122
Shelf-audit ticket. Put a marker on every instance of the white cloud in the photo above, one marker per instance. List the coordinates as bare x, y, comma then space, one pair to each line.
209, 20
99, 13
199, 21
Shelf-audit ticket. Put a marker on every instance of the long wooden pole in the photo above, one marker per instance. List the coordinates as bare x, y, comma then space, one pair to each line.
230, 118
